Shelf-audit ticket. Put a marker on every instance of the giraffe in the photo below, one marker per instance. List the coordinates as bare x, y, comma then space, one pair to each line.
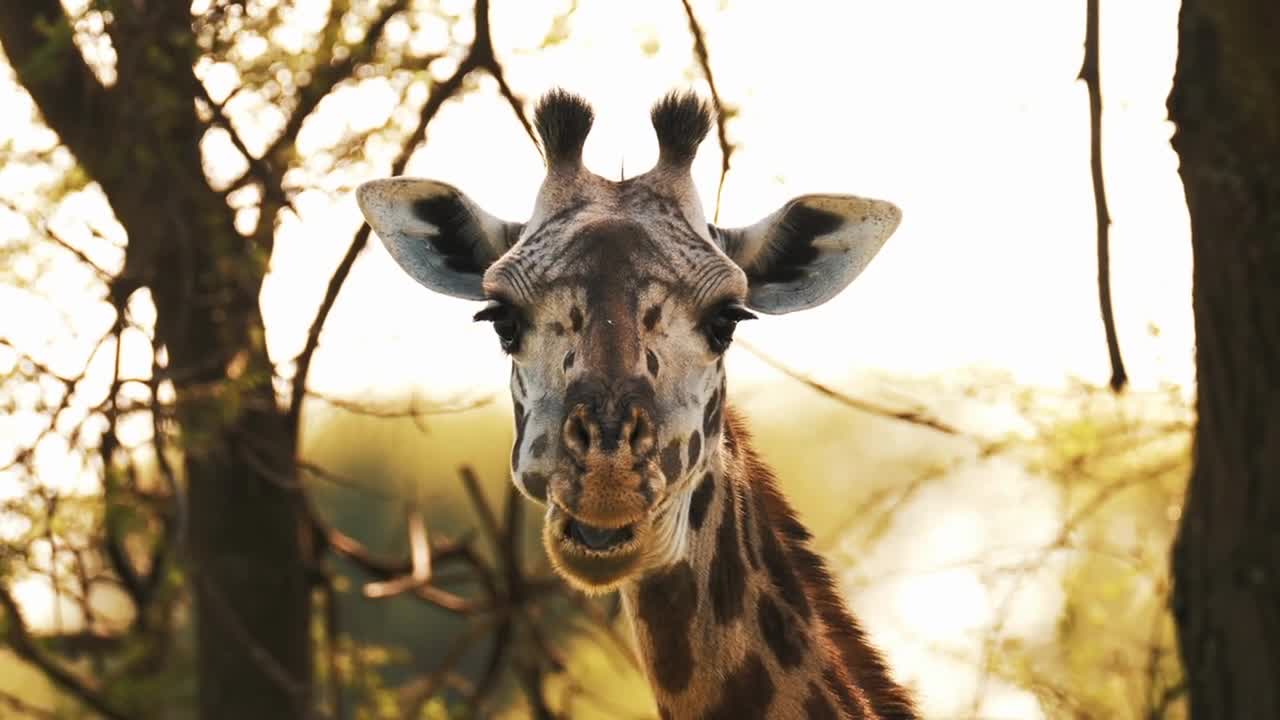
616, 302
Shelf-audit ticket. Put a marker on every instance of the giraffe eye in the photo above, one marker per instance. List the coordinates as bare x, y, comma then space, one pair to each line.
721, 323
507, 323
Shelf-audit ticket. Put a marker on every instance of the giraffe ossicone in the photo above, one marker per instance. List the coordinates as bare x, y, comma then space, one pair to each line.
616, 301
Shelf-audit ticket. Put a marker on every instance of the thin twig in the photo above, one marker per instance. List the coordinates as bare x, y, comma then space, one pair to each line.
62, 243
330, 73
58, 240
517, 105
914, 417
26, 709
723, 112
22, 644
1090, 75
419, 561
258, 167
412, 410
416, 692
488, 521
406, 576
330, 476
480, 56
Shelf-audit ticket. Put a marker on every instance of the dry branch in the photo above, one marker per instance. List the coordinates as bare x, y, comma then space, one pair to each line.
24, 708
479, 57
722, 111
1089, 74
22, 644
914, 417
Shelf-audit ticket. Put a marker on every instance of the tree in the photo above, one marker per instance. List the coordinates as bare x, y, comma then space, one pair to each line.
134, 119
1226, 560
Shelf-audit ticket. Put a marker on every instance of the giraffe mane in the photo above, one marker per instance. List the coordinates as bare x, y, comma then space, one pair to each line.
860, 664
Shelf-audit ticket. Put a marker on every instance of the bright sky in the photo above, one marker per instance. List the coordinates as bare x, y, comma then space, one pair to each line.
966, 115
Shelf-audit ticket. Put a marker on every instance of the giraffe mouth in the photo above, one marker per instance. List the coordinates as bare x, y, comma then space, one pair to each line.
594, 538
591, 558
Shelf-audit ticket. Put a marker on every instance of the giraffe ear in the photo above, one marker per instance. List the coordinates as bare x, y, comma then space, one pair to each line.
809, 250
436, 233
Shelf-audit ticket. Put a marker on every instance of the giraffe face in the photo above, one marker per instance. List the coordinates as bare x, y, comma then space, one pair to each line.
616, 302
616, 332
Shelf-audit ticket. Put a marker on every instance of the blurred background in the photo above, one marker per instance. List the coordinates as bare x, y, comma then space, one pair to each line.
999, 519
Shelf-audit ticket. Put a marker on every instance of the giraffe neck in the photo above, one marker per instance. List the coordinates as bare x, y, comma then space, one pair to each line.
748, 622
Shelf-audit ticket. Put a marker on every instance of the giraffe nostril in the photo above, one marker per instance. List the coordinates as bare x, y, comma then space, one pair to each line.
577, 436
640, 433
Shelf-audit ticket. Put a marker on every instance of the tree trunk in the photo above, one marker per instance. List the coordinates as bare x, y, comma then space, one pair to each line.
252, 600
1226, 559
246, 563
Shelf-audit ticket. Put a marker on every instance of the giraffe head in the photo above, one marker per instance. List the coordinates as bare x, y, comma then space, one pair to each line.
616, 302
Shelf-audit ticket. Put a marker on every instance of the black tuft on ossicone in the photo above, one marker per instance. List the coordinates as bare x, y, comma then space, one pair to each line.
681, 120
563, 121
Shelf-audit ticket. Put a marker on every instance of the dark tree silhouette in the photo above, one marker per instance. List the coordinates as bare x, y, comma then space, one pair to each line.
139, 140
1226, 561
250, 545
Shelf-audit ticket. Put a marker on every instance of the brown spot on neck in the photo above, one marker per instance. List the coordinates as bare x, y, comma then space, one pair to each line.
781, 573
700, 501
711, 414
695, 449
783, 633
670, 462
749, 535
727, 575
776, 639
747, 692
855, 672
817, 707
666, 604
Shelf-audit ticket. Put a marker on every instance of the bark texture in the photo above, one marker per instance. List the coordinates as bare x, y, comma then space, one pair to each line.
139, 140
1226, 559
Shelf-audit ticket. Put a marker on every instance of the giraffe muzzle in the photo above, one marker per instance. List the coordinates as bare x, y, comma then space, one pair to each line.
601, 499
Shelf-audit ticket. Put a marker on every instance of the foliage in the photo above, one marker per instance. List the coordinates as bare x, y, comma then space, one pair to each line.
102, 426
1121, 466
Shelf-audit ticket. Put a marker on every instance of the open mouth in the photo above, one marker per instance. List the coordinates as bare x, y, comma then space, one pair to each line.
594, 538
592, 558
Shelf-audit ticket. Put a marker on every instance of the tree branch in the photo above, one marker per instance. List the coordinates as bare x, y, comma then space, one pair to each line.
517, 105
413, 409
25, 709
52, 236
1089, 74
479, 57
914, 417
328, 75
723, 112
21, 642
258, 169
37, 38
